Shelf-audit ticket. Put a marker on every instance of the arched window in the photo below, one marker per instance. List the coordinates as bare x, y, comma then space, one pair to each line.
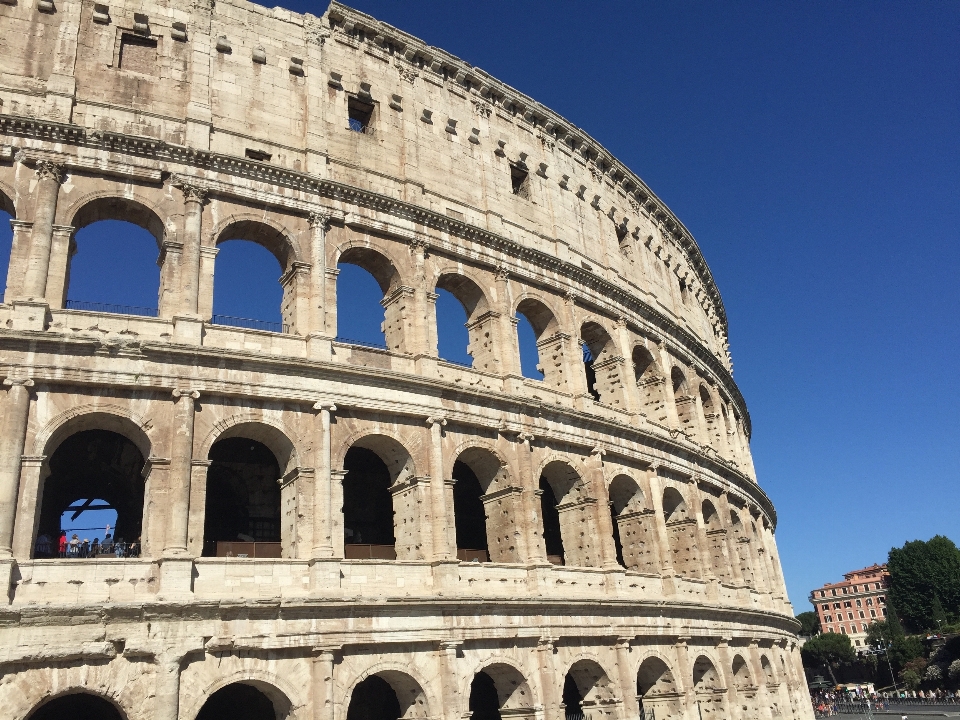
469, 516
564, 491
743, 548
716, 541
112, 262
500, 689
484, 702
373, 307
633, 526
360, 314
682, 534
257, 282
466, 331
77, 706
544, 356
601, 365
552, 534
656, 688
245, 701
92, 471
586, 687
650, 382
381, 501
387, 695
707, 689
684, 401
246, 292
6, 238
242, 512
453, 339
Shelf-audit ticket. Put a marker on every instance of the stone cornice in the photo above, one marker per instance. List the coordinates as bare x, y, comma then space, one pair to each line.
478, 83
282, 177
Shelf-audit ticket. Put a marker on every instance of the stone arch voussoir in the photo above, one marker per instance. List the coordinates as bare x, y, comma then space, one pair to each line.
271, 684
114, 418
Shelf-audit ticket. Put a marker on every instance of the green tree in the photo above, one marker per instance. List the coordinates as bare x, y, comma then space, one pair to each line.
827, 649
894, 628
937, 615
809, 623
919, 572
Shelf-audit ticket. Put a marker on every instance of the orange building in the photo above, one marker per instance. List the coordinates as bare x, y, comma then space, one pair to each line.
850, 606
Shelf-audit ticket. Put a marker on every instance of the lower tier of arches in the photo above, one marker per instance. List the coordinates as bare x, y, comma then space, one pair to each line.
248, 665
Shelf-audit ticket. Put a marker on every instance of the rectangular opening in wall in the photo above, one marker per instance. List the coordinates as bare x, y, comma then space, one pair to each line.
519, 181
360, 114
258, 155
138, 54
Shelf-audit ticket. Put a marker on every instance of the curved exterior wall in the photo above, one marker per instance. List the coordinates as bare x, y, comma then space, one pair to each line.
236, 126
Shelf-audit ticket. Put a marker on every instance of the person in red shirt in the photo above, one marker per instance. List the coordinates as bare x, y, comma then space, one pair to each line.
63, 543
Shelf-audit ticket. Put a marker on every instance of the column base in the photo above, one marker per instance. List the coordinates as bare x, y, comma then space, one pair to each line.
187, 329
176, 578
30, 315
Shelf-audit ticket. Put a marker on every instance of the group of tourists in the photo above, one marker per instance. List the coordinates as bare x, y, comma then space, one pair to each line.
828, 703
74, 547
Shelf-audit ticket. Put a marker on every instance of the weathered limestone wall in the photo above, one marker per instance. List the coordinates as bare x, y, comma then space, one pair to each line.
203, 123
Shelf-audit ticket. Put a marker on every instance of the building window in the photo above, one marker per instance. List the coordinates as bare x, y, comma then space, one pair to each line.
138, 54
843, 629
834, 591
836, 606
847, 604
824, 607
862, 615
869, 602
858, 643
520, 181
881, 600
859, 603
360, 114
883, 611
873, 613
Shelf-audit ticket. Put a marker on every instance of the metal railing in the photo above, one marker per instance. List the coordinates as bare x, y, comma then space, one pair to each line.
362, 343
250, 323
110, 308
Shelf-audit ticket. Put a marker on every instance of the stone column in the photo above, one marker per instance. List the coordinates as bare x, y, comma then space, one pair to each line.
324, 701
181, 462
631, 393
194, 198
703, 547
726, 676
423, 339
666, 362
663, 538
444, 527
628, 682
168, 687
208, 264
19, 256
16, 409
323, 486
732, 550
318, 330
448, 679
47, 192
550, 684
33, 473
536, 550
509, 343
62, 248
576, 376
608, 550
683, 677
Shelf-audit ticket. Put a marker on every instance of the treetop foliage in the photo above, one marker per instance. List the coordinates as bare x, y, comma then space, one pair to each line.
924, 574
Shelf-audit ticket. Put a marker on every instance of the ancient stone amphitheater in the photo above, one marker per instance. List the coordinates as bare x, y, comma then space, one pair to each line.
334, 531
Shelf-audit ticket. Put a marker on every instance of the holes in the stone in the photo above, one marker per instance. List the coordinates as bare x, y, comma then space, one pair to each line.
360, 115
138, 54
367, 503
243, 498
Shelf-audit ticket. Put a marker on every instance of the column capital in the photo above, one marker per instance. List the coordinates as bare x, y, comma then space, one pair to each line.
419, 246
186, 392
320, 219
191, 191
15, 381
49, 170
322, 405
502, 272
450, 646
547, 643
436, 420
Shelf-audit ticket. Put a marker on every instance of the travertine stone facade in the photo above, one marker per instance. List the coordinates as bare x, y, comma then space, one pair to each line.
206, 122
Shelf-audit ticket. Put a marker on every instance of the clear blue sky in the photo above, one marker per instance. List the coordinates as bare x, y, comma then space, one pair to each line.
813, 149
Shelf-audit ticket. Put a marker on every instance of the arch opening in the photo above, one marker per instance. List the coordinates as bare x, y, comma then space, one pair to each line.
707, 689
387, 695
657, 689
552, 533
112, 265
469, 515
77, 706
484, 700
500, 689
6, 245
682, 534
633, 526
601, 365
541, 356
92, 471
650, 382
453, 336
716, 540
585, 686
466, 329
683, 401
373, 306
242, 511
574, 513
246, 290
248, 700
499, 504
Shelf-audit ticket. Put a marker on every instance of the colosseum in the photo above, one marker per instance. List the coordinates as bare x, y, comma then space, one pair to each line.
327, 529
